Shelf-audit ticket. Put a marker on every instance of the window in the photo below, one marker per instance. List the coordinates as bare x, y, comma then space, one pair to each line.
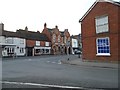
54, 38
21, 41
46, 43
9, 40
103, 46
37, 43
37, 50
101, 24
10, 50
21, 50
59, 38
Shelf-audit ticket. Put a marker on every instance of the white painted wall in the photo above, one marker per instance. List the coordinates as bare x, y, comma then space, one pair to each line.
20, 43
17, 43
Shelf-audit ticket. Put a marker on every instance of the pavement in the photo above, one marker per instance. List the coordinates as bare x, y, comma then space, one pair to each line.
88, 63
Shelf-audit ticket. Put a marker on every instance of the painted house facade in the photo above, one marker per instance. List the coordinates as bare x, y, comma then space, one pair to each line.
57, 38
11, 43
100, 27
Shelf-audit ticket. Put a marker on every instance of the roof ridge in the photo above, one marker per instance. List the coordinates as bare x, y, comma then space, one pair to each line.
110, 1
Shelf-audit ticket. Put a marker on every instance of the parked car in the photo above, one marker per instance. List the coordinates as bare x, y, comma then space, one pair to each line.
78, 52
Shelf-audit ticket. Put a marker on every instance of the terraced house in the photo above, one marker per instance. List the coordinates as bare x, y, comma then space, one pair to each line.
23, 43
100, 28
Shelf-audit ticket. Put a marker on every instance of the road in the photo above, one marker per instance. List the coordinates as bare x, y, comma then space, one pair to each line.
47, 71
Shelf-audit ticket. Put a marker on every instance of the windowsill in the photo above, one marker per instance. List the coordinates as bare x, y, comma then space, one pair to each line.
103, 54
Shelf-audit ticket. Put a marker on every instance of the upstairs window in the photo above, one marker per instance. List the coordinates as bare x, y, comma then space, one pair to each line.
103, 46
21, 41
59, 38
46, 43
101, 24
37, 43
54, 38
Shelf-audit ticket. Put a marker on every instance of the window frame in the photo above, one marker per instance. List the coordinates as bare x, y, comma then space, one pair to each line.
101, 25
37, 43
103, 54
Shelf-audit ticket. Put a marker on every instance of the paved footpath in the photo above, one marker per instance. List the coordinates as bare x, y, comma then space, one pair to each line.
80, 62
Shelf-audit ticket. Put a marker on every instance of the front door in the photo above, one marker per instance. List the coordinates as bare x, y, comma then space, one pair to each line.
29, 51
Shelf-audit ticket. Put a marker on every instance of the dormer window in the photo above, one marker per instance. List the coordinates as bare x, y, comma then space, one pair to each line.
102, 24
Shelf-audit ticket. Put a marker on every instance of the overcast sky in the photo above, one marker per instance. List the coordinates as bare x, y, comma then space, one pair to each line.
16, 14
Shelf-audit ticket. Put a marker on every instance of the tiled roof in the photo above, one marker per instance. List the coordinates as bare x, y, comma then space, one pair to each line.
32, 35
9, 33
26, 34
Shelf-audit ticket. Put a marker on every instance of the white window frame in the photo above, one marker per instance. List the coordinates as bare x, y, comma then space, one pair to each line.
21, 41
103, 54
102, 24
47, 43
37, 43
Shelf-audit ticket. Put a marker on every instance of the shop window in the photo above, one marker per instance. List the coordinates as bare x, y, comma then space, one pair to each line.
37, 50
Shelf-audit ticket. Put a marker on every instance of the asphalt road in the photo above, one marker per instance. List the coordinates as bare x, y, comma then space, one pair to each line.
48, 72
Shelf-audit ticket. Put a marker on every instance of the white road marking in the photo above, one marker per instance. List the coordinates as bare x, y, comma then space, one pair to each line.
48, 61
59, 62
29, 59
42, 85
53, 62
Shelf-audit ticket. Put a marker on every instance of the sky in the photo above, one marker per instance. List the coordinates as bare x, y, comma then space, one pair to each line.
17, 14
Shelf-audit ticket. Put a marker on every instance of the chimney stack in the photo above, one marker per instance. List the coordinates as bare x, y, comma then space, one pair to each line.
56, 27
1, 28
26, 28
45, 25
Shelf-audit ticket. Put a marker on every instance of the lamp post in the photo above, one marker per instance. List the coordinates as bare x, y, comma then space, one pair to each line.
68, 45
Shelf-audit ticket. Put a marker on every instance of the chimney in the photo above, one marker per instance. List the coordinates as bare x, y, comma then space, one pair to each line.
1, 28
45, 25
26, 28
56, 27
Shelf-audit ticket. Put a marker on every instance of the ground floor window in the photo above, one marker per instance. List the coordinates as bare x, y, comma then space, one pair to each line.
103, 46
42, 51
10, 50
21, 50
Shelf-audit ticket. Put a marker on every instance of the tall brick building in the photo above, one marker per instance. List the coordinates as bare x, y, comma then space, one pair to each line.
100, 28
57, 38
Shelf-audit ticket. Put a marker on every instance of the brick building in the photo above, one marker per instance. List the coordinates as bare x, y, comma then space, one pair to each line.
100, 28
57, 38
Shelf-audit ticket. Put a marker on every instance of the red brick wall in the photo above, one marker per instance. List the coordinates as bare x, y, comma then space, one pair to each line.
42, 43
30, 43
119, 33
47, 33
89, 32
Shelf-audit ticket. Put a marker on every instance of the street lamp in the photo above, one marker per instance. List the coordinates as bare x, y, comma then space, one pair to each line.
68, 45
